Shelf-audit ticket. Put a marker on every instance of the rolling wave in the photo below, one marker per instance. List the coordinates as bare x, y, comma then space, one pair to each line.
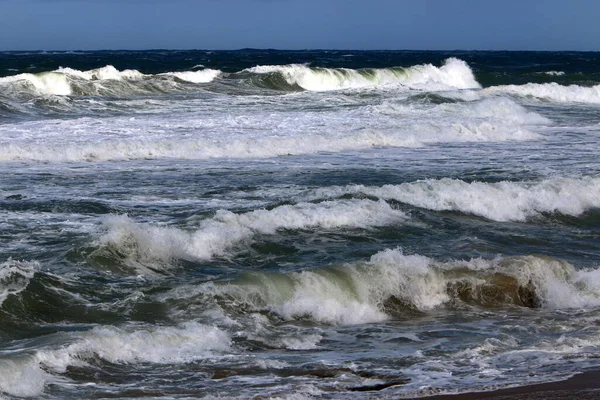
454, 74
552, 92
108, 81
105, 81
25, 375
501, 201
392, 284
141, 245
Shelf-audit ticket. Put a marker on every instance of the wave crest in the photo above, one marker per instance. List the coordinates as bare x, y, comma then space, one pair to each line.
552, 92
392, 284
501, 201
140, 245
105, 81
454, 73
14, 277
26, 375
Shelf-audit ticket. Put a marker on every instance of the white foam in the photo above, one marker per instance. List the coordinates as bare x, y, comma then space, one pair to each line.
356, 293
454, 73
554, 73
552, 92
48, 83
143, 243
202, 76
26, 375
249, 137
557, 283
14, 277
105, 73
498, 108
502, 201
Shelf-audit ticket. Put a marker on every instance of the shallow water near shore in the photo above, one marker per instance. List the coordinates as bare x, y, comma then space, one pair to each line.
297, 225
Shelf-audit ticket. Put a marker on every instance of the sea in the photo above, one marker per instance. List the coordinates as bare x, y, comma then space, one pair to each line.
266, 224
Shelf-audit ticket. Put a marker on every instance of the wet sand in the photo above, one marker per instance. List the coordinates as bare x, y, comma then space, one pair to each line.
583, 386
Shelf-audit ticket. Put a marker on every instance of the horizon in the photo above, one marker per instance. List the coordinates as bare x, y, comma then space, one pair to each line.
300, 50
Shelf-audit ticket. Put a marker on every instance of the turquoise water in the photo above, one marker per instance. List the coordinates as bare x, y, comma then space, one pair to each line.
296, 224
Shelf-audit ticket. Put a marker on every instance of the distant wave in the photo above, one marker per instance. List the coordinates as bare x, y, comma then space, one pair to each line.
105, 81
552, 92
203, 76
501, 201
453, 74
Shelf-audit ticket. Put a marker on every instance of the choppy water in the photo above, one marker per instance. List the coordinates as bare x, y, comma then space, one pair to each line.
296, 224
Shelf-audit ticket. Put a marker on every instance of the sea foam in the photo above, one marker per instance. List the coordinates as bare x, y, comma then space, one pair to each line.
150, 244
14, 277
25, 375
392, 283
105, 81
501, 201
202, 76
266, 134
454, 73
552, 92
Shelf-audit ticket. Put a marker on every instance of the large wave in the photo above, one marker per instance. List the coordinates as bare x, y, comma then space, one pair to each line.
108, 81
392, 284
454, 74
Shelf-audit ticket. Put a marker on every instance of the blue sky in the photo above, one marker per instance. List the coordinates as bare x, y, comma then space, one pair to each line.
295, 24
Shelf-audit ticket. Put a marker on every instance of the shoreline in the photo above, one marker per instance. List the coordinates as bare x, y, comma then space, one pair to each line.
585, 385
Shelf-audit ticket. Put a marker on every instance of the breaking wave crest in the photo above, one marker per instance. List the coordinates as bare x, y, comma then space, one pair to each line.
14, 277
141, 244
501, 201
392, 284
203, 76
105, 81
552, 92
454, 74
25, 375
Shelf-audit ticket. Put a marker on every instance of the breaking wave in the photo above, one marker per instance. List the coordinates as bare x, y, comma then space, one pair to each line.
392, 284
14, 277
454, 74
26, 375
501, 201
105, 81
140, 244
552, 92
203, 76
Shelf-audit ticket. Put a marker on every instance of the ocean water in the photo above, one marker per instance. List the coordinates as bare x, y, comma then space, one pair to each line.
296, 224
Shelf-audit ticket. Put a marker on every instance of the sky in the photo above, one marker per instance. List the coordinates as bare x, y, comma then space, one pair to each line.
300, 24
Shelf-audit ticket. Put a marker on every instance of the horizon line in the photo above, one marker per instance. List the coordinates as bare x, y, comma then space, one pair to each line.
302, 49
